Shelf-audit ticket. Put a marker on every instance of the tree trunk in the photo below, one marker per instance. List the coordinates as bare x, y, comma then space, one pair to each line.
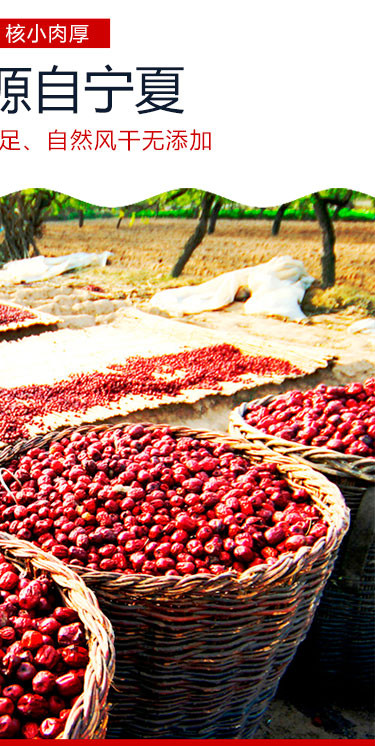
81, 217
197, 236
328, 258
33, 251
214, 216
14, 245
278, 218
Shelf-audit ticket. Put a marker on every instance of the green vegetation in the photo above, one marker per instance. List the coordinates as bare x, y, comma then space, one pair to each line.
69, 208
245, 213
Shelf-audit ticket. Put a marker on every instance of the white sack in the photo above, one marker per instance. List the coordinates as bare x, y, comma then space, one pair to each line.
209, 296
281, 270
282, 301
276, 287
45, 267
364, 326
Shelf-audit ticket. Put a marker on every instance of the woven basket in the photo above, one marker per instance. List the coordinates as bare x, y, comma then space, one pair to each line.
340, 646
88, 717
201, 656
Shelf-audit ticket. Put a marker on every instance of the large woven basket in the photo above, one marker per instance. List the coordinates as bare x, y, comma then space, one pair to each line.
88, 717
201, 656
340, 647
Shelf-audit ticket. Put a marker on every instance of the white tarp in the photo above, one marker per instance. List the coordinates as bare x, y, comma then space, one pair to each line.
364, 326
44, 267
209, 296
276, 288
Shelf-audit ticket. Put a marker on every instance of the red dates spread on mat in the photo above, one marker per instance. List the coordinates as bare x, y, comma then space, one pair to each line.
141, 500
43, 656
341, 418
162, 375
10, 315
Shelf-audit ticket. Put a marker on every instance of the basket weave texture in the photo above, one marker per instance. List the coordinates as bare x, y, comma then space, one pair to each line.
342, 639
88, 717
202, 655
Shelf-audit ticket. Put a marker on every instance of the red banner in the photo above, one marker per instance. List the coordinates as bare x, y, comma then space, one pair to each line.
54, 33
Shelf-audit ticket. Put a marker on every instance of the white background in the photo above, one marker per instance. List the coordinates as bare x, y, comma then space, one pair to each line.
286, 87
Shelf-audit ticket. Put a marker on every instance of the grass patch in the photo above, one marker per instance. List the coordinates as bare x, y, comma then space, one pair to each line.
337, 299
118, 283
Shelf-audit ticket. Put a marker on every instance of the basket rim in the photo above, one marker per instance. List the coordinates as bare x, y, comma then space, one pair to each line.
99, 632
339, 464
256, 577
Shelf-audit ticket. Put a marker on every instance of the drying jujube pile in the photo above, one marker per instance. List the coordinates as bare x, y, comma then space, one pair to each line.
140, 499
10, 315
43, 656
157, 376
341, 418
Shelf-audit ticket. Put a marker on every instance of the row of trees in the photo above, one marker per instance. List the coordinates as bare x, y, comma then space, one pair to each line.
22, 215
326, 206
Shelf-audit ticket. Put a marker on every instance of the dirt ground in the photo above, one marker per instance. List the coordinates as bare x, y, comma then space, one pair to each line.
146, 251
142, 257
